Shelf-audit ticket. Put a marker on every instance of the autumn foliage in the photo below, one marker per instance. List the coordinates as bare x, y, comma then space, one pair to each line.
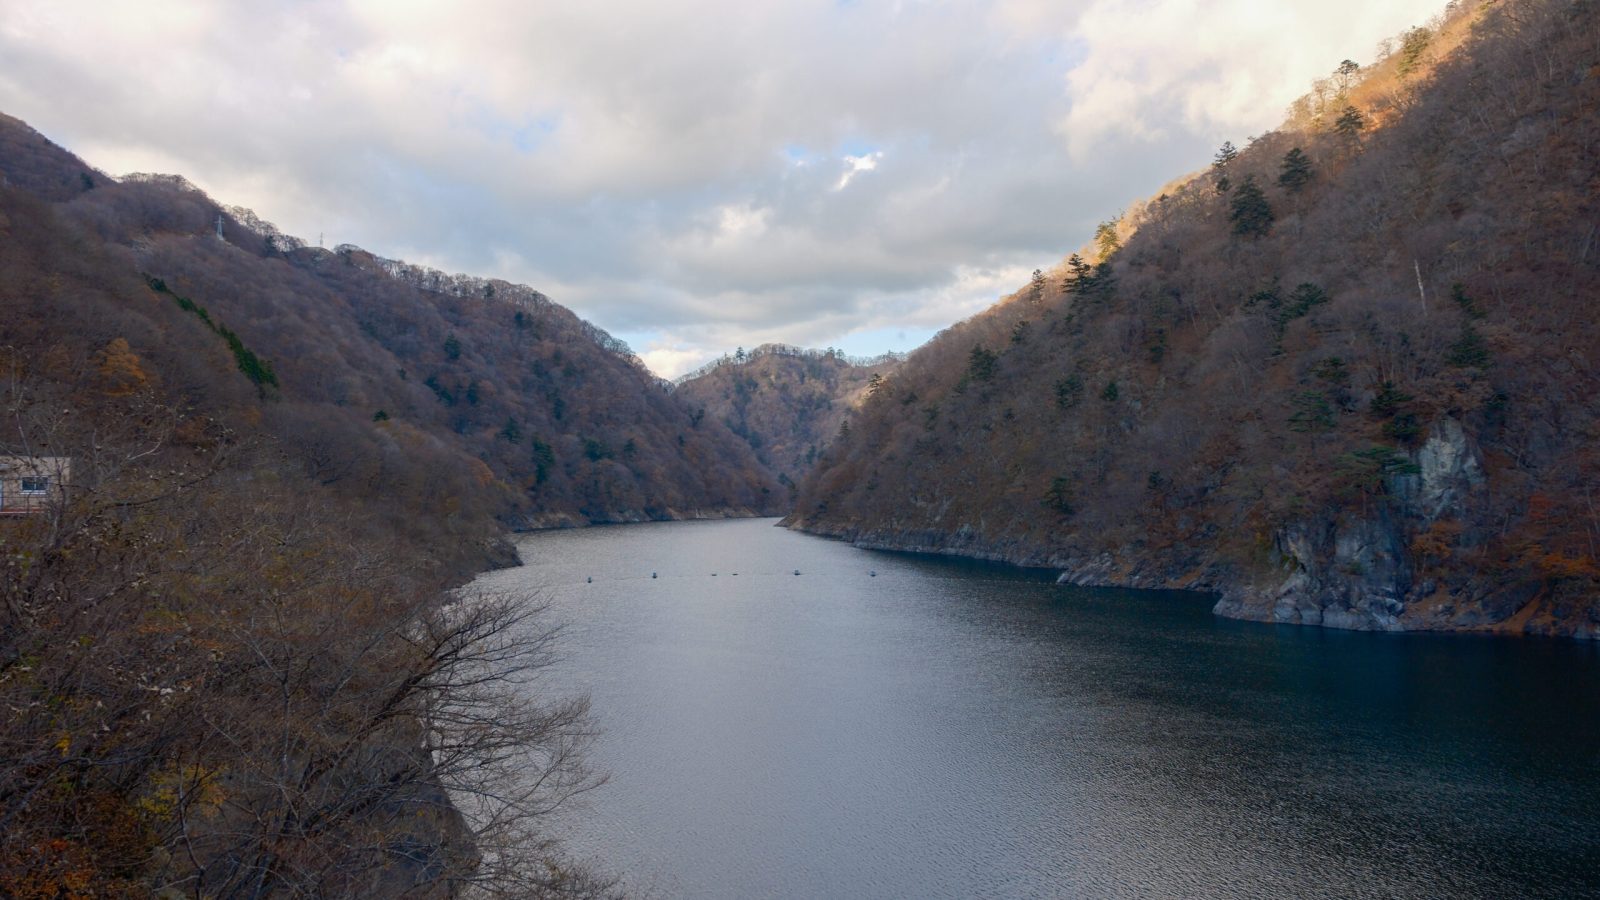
785, 402
1373, 320
231, 663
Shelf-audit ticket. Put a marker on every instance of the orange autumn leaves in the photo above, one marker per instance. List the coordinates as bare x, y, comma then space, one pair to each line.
118, 371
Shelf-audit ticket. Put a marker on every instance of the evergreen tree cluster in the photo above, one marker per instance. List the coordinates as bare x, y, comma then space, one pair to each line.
1249, 210
254, 367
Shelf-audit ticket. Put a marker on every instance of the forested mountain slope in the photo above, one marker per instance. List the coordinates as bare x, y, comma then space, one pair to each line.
230, 660
786, 402
367, 358
1348, 376
215, 656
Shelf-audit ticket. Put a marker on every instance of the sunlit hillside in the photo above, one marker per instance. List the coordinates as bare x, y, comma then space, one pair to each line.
1343, 376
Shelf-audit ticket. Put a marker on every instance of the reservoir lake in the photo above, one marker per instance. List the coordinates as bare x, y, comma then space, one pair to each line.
954, 729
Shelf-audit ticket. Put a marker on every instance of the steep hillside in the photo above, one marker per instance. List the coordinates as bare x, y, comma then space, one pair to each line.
1348, 376
220, 639
366, 358
787, 403
220, 642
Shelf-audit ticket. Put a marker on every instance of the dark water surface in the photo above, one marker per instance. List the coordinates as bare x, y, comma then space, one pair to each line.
948, 729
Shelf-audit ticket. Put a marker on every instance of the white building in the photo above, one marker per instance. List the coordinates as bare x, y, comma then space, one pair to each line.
29, 484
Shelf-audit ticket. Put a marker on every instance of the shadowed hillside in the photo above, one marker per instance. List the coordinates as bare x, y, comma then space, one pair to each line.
787, 403
230, 660
366, 358
1346, 376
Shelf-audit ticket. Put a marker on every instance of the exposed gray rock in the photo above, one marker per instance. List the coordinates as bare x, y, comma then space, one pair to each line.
1353, 575
1354, 572
1449, 471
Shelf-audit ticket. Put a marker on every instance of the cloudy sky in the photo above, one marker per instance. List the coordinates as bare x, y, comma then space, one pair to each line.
691, 175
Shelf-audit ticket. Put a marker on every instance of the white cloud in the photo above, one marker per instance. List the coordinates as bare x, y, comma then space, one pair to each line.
741, 223
855, 165
676, 172
1156, 68
671, 358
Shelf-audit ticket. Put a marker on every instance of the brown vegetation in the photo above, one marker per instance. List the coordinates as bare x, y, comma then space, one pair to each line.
367, 367
1353, 384
785, 402
230, 664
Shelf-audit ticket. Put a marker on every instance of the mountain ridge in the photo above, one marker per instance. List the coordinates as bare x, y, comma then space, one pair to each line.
234, 653
1343, 377
572, 428
786, 402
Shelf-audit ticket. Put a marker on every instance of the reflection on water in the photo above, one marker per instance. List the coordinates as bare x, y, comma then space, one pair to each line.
949, 729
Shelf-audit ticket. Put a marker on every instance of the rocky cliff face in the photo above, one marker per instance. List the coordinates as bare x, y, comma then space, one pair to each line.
1363, 399
1362, 572
1355, 571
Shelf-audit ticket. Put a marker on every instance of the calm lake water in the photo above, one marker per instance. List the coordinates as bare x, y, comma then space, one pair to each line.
948, 729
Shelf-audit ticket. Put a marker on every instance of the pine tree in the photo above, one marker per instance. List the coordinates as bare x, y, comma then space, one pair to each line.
1036, 288
1080, 276
1346, 73
1059, 496
1412, 47
1305, 296
1105, 236
512, 432
981, 363
1470, 351
1295, 171
1350, 123
1387, 400
544, 457
1219, 164
1104, 281
1069, 391
1251, 215
1312, 412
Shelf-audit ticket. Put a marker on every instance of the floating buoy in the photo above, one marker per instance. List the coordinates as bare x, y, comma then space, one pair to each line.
652, 574
590, 579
